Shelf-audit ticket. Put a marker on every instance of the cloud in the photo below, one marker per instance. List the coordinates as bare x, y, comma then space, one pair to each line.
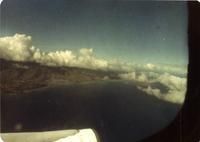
151, 91
19, 48
173, 82
172, 96
150, 66
128, 76
160, 68
176, 86
141, 77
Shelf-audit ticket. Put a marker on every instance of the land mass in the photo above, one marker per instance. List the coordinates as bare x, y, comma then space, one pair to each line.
20, 76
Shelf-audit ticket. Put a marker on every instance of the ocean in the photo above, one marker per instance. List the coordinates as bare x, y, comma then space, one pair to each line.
116, 110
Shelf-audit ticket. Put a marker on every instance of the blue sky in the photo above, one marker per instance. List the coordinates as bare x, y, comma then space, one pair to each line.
138, 32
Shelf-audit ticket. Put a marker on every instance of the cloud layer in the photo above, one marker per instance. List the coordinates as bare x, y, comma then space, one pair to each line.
175, 85
20, 48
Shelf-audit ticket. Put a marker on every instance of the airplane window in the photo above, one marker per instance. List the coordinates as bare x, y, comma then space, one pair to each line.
91, 70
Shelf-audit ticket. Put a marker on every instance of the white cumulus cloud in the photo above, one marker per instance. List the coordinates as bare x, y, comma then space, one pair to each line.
20, 48
17, 47
176, 86
173, 82
128, 76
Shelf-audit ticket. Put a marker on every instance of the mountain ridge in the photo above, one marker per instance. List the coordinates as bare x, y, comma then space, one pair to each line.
16, 76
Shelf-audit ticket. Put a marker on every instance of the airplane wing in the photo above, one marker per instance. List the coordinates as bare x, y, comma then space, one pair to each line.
82, 135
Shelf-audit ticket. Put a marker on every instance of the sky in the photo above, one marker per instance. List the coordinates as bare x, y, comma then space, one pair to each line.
135, 32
